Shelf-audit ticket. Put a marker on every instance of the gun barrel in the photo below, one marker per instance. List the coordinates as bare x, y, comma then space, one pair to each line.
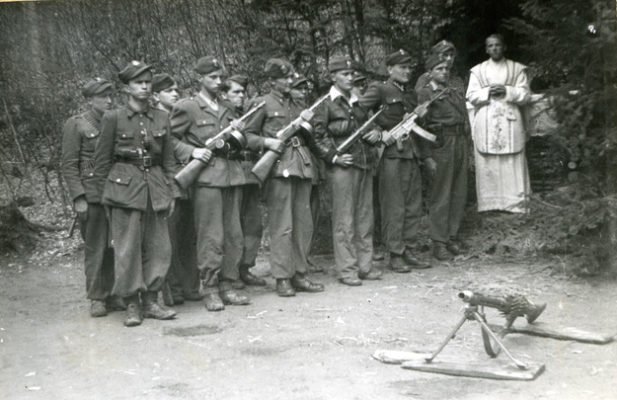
343, 147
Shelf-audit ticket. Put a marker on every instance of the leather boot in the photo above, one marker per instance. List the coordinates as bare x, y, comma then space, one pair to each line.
413, 262
284, 288
213, 302
398, 264
247, 276
192, 295
301, 284
152, 309
372, 275
440, 252
98, 308
238, 285
231, 297
115, 303
133, 311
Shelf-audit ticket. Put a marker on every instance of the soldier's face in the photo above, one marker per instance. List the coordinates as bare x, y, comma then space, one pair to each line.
236, 94
400, 73
168, 97
441, 73
101, 102
448, 56
494, 48
343, 79
283, 85
140, 87
300, 93
212, 82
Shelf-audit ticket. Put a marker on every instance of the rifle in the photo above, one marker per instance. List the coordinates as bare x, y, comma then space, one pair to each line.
354, 137
401, 131
263, 167
189, 173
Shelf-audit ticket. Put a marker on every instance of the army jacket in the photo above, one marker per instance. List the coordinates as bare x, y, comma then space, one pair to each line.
134, 160
396, 103
277, 113
248, 157
79, 137
335, 120
446, 116
193, 122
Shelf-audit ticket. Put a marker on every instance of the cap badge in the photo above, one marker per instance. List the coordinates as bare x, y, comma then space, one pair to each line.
215, 62
97, 79
348, 63
135, 63
402, 52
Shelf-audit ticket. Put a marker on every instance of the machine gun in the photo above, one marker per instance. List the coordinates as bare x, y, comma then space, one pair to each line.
189, 173
354, 137
263, 167
511, 306
401, 131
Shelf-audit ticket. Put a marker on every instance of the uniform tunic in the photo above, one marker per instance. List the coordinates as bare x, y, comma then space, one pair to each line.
217, 192
400, 181
502, 178
447, 119
352, 187
133, 172
288, 189
80, 135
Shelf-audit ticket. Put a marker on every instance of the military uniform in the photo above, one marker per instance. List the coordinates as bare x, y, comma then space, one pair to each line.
352, 187
216, 194
80, 135
400, 182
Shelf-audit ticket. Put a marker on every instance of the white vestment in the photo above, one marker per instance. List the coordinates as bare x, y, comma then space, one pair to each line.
498, 131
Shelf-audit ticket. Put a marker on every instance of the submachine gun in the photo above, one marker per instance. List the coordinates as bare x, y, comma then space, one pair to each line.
354, 137
263, 167
511, 307
189, 173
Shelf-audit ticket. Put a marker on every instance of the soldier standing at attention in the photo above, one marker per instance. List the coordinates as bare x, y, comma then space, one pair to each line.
446, 51
183, 275
288, 188
80, 135
400, 182
217, 192
234, 94
351, 176
133, 170
446, 117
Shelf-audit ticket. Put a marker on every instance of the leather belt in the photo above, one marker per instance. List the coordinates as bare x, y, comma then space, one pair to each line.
449, 130
144, 162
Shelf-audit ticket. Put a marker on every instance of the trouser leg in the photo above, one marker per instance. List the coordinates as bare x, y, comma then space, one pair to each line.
412, 184
156, 247
440, 193
252, 227
208, 219
392, 182
126, 229
344, 198
174, 275
459, 186
279, 202
98, 257
363, 221
302, 223
233, 241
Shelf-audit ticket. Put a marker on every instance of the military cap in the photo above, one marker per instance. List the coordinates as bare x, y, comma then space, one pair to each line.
398, 57
95, 86
162, 82
359, 77
442, 47
298, 79
433, 61
278, 68
207, 64
338, 63
241, 80
133, 70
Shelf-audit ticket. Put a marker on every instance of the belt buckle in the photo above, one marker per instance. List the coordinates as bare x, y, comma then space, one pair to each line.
147, 161
295, 142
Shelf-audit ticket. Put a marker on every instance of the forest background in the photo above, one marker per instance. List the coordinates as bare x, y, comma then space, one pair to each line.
48, 49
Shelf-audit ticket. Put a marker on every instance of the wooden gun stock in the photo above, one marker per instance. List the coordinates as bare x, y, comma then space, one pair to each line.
189, 173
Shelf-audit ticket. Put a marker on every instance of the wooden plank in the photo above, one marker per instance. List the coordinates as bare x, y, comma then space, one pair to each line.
397, 356
563, 333
491, 369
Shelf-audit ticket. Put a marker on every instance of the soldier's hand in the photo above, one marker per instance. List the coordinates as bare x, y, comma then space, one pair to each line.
237, 124
172, 207
421, 110
373, 136
387, 138
306, 115
274, 144
81, 206
343, 160
431, 166
202, 154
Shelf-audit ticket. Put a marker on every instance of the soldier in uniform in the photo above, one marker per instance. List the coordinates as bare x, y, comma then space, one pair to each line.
183, 276
446, 51
351, 176
217, 192
133, 171
446, 117
234, 94
80, 135
288, 189
400, 183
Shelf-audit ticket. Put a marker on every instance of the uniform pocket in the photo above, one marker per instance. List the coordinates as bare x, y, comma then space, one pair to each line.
124, 189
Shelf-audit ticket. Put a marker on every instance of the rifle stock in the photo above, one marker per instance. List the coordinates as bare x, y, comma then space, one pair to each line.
265, 164
189, 173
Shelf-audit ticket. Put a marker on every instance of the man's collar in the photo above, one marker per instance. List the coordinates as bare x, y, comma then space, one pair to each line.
95, 115
397, 85
132, 111
336, 93
436, 86
280, 97
213, 104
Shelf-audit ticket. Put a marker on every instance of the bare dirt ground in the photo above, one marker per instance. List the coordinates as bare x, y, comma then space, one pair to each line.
313, 346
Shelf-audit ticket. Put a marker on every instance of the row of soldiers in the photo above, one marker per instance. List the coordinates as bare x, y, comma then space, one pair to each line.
143, 231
